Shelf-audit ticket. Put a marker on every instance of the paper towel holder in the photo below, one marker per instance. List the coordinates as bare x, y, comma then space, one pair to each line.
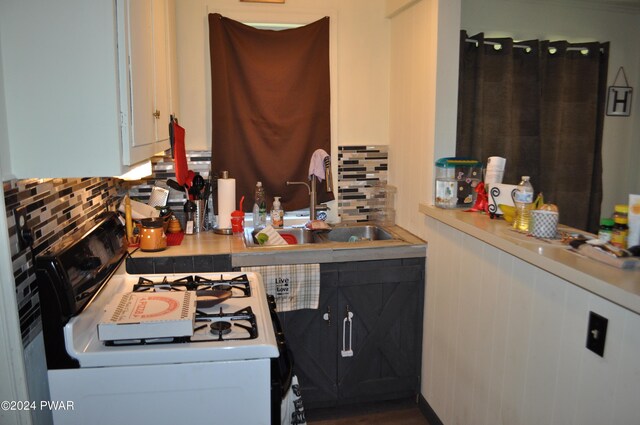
227, 230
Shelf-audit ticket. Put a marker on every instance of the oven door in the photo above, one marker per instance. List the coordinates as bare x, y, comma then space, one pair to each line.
281, 367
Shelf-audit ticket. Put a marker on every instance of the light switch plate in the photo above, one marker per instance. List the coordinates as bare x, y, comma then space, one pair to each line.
25, 238
597, 333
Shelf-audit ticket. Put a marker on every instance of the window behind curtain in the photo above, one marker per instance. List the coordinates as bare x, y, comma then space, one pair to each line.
270, 106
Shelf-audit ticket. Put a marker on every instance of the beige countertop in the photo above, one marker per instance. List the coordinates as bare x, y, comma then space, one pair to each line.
208, 243
619, 286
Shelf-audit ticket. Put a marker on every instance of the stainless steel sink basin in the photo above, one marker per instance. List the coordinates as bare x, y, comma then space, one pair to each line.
357, 233
298, 234
349, 233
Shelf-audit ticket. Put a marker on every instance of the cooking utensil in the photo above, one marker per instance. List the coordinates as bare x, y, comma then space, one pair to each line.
210, 297
158, 197
175, 185
198, 182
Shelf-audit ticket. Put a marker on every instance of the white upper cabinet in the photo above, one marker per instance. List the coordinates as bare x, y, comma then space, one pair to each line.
87, 84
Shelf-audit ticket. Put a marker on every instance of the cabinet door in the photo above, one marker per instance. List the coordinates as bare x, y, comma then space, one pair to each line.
385, 298
161, 69
144, 32
142, 64
311, 337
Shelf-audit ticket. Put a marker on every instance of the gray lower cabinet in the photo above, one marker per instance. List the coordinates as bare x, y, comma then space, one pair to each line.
374, 356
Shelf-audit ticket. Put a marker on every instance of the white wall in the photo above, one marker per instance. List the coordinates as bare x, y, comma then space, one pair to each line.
575, 23
504, 342
5, 158
360, 38
13, 385
423, 101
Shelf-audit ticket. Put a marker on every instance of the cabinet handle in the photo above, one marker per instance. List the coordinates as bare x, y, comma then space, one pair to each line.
327, 316
347, 352
156, 114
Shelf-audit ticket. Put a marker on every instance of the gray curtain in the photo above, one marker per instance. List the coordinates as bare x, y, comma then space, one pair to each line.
540, 104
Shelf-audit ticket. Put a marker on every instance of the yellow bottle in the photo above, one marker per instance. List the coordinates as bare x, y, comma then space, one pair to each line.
523, 198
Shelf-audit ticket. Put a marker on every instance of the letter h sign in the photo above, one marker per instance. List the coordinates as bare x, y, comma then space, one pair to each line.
619, 101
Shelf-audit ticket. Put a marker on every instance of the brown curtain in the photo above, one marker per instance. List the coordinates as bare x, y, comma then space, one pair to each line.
270, 106
541, 109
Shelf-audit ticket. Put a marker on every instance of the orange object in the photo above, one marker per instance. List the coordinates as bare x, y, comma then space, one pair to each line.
291, 240
152, 236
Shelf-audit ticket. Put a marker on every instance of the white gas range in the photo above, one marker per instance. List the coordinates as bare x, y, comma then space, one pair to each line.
232, 369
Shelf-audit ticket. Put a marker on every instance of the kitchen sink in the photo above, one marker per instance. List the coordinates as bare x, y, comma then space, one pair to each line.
356, 233
341, 234
299, 235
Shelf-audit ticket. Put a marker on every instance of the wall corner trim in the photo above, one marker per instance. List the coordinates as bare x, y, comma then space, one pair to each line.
427, 411
394, 7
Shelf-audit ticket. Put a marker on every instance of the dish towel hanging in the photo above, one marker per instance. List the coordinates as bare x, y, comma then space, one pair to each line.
294, 286
292, 410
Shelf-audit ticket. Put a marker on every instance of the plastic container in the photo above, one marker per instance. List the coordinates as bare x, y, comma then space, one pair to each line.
523, 198
606, 229
259, 207
620, 233
456, 180
277, 214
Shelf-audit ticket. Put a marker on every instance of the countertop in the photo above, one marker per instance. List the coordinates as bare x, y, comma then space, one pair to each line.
619, 286
210, 243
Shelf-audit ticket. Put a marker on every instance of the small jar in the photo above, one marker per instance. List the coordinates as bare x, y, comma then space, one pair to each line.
606, 229
620, 231
152, 236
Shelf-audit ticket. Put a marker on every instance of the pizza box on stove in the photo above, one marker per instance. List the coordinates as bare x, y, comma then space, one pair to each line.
144, 315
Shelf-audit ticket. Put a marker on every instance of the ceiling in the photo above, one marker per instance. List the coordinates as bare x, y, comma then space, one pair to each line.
629, 6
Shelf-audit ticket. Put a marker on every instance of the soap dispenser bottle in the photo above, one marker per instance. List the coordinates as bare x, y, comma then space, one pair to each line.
277, 214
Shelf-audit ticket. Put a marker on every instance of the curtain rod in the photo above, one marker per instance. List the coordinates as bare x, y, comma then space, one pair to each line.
527, 48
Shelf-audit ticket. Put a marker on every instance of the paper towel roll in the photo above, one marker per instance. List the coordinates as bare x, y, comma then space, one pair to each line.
495, 170
226, 202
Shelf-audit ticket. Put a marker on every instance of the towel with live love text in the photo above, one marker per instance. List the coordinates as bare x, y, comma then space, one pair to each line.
294, 286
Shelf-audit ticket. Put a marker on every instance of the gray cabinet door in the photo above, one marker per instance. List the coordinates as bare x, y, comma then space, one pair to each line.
385, 299
311, 338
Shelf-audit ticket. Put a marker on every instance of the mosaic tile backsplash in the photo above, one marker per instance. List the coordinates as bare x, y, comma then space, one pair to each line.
162, 169
54, 208
362, 177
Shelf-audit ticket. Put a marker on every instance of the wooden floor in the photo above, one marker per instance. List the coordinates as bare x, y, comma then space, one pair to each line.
404, 413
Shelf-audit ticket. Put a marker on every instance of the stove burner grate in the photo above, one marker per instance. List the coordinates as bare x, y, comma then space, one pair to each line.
239, 283
222, 319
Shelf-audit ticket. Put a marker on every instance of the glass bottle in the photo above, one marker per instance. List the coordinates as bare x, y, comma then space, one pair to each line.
259, 207
620, 231
606, 229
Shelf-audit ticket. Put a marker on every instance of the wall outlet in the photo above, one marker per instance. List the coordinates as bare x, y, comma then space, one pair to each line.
597, 333
25, 238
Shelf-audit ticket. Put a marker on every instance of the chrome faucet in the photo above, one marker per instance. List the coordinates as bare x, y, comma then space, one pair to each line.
313, 201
